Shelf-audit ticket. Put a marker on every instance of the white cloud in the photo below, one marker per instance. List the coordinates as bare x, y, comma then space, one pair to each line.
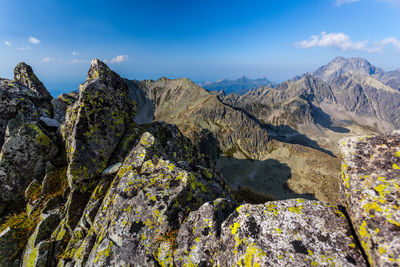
338, 40
342, 2
47, 59
75, 53
7, 43
344, 42
24, 48
390, 41
119, 59
34, 40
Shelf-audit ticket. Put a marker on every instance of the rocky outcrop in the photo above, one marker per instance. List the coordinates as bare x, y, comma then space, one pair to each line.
371, 194
61, 103
24, 75
23, 158
95, 123
278, 233
17, 102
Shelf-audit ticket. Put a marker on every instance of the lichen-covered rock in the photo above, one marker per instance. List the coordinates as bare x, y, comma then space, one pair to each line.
370, 191
22, 159
147, 201
37, 248
24, 75
95, 123
9, 249
61, 103
280, 233
287, 233
15, 99
198, 239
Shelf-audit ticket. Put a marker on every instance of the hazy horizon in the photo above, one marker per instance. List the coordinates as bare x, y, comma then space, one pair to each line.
203, 41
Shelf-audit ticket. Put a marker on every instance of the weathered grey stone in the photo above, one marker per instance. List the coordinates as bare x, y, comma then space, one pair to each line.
24, 75
370, 191
198, 239
287, 233
95, 123
53, 123
113, 169
22, 159
148, 200
37, 249
61, 103
9, 249
16, 106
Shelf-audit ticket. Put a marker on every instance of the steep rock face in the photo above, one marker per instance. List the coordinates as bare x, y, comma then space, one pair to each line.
193, 109
371, 194
145, 105
95, 123
291, 103
392, 79
16, 99
291, 109
23, 158
367, 101
24, 75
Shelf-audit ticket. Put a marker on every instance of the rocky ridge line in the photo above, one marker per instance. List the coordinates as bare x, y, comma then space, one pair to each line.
155, 200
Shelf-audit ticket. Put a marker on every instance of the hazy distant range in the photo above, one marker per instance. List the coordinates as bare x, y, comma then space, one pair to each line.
239, 86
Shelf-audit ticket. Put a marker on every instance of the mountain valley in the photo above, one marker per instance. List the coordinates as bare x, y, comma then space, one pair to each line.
166, 173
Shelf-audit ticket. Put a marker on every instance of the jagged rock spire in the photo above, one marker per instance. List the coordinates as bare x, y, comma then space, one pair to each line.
23, 74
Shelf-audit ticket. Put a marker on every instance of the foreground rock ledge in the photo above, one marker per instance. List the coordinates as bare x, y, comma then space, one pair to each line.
371, 194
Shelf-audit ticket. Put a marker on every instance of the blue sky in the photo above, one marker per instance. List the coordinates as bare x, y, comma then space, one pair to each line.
203, 40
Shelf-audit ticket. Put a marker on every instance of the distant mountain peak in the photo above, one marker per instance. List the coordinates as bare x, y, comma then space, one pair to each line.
240, 85
341, 65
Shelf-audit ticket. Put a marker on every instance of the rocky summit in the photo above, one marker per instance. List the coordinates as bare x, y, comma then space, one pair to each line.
86, 181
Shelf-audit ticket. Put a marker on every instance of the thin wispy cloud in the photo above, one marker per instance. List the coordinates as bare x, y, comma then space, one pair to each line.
119, 59
24, 48
7, 43
390, 41
343, 2
34, 40
46, 59
344, 42
75, 53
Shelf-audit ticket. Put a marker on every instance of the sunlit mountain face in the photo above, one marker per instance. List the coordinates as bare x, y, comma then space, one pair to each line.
199, 133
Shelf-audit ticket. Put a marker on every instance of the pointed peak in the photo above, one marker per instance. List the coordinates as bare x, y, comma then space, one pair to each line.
339, 58
97, 69
24, 75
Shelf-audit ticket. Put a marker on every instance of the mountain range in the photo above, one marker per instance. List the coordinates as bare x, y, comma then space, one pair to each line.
166, 173
239, 86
